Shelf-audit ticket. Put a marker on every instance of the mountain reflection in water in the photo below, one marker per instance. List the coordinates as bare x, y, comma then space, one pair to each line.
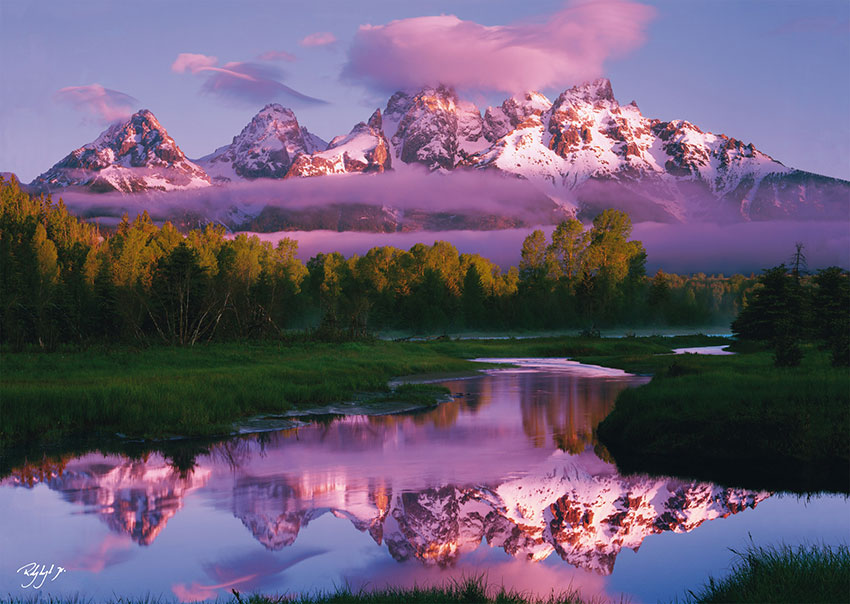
511, 461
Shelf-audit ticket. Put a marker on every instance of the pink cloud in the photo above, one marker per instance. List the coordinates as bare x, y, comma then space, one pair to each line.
112, 549
190, 61
99, 103
319, 38
277, 55
566, 47
254, 83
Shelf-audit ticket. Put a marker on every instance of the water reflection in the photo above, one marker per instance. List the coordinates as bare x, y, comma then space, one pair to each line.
136, 498
573, 505
511, 463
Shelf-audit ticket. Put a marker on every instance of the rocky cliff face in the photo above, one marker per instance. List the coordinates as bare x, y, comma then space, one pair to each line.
136, 155
266, 147
364, 149
433, 127
513, 112
583, 152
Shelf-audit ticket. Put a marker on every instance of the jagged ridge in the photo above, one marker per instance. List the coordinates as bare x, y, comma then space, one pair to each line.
584, 151
266, 147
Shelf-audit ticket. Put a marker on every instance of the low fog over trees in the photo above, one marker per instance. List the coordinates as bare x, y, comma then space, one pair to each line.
64, 280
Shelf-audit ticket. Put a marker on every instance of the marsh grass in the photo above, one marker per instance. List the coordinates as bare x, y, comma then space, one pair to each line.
782, 574
161, 392
470, 590
737, 420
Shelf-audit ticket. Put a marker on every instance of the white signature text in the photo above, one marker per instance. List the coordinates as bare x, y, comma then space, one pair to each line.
36, 571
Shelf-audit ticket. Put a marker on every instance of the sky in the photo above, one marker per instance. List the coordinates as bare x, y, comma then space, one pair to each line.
775, 73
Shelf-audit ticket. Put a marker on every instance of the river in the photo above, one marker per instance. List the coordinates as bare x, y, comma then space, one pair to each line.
505, 479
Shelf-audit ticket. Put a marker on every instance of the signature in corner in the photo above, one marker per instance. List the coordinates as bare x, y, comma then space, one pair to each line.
34, 570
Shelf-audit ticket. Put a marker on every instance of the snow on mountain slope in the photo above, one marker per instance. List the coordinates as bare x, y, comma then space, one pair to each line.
586, 138
588, 151
136, 155
364, 149
433, 127
513, 111
584, 152
266, 147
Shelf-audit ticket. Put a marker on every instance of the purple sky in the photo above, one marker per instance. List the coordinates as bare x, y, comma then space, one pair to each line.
774, 73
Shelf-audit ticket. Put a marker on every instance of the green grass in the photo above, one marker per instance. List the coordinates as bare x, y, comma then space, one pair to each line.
163, 391
737, 420
783, 574
160, 392
470, 590
474, 590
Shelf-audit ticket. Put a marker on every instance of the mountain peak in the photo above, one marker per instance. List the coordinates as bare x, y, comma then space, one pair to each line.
274, 110
265, 148
375, 121
134, 155
144, 118
597, 90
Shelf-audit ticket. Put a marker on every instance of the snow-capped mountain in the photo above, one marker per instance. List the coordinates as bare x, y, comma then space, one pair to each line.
586, 150
433, 127
136, 155
364, 149
579, 154
266, 147
513, 111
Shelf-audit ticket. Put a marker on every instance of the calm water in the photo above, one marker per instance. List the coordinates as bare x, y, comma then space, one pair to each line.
504, 480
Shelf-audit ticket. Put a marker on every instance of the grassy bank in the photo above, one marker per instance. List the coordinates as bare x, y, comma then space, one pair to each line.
72, 398
737, 420
163, 391
783, 574
466, 591
473, 590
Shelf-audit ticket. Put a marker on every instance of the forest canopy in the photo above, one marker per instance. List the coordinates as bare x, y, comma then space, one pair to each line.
65, 280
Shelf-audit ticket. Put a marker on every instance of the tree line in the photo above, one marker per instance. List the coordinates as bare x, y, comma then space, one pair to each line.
788, 308
63, 280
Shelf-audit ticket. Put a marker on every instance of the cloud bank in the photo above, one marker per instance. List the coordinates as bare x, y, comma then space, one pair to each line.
101, 104
566, 47
481, 192
253, 83
682, 248
674, 248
